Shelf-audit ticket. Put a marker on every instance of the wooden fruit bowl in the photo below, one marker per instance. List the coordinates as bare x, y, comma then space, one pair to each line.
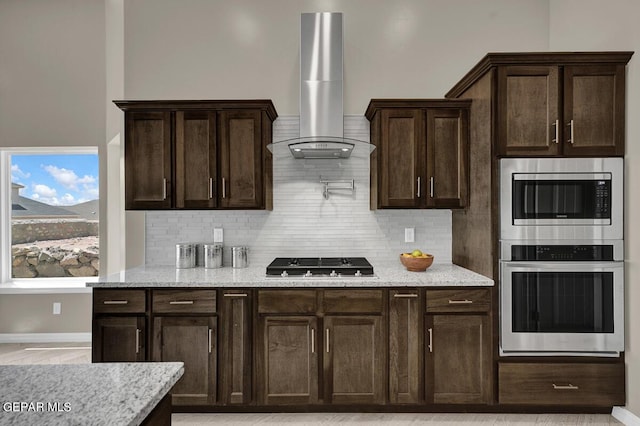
416, 264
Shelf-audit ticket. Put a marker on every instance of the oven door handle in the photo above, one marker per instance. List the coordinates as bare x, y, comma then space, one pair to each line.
562, 266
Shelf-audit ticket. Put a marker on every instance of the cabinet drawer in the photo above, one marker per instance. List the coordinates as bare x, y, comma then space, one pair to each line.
117, 301
287, 301
178, 301
352, 301
459, 300
561, 384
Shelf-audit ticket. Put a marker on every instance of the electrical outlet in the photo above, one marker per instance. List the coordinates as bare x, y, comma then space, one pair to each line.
57, 308
409, 235
218, 236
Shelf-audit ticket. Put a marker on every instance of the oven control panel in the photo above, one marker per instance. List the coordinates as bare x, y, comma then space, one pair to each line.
562, 253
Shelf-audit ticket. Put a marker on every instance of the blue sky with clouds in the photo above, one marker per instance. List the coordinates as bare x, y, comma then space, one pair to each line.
58, 180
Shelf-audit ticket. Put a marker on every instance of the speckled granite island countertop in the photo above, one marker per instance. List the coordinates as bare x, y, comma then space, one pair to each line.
255, 276
84, 394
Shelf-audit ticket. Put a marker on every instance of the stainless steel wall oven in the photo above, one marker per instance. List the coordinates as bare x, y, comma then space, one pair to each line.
561, 256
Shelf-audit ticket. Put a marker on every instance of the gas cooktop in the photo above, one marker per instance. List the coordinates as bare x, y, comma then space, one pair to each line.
337, 267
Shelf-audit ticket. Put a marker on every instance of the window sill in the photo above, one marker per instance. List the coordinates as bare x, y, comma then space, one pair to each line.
47, 286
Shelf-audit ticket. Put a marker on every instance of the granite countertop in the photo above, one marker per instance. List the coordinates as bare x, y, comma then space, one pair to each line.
385, 276
84, 394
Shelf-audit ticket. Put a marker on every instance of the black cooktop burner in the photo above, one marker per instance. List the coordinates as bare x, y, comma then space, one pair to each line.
320, 266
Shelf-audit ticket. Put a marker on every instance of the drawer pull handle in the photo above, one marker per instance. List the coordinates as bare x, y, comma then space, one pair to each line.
115, 302
235, 295
565, 387
181, 302
405, 295
460, 302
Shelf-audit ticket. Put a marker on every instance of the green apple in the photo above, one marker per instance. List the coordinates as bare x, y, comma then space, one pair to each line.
416, 253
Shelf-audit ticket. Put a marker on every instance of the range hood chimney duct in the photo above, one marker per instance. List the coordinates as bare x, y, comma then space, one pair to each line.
321, 104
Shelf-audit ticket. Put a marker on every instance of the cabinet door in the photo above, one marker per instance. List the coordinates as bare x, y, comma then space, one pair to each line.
447, 153
240, 183
118, 339
288, 360
528, 121
405, 348
354, 361
147, 158
458, 359
594, 110
195, 159
236, 348
191, 340
401, 169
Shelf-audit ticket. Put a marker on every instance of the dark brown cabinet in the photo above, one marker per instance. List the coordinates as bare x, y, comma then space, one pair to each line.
119, 326
549, 110
458, 347
421, 153
545, 383
236, 348
198, 154
147, 152
288, 360
406, 354
354, 360
196, 159
192, 340
119, 339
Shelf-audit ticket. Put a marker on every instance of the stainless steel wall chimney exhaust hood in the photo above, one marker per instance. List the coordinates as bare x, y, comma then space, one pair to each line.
321, 110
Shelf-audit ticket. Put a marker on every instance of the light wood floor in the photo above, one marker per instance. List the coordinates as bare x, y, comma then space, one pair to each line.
78, 353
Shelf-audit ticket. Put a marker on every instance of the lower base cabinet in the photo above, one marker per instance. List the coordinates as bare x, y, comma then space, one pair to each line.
118, 339
288, 360
191, 340
458, 359
354, 360
584, 384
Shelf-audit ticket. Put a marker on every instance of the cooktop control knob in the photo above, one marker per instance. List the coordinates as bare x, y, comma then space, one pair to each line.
358, 273
284, 274
308, 274
333, 274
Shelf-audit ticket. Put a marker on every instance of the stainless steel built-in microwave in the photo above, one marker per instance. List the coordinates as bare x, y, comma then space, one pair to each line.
561, 198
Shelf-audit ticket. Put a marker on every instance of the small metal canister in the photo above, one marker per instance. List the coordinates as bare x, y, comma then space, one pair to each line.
239, 257
199, 254
213, 255
185, 255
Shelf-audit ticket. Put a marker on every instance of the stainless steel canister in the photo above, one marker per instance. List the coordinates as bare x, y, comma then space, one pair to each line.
239, 257
213, 255
185, 255
199, 254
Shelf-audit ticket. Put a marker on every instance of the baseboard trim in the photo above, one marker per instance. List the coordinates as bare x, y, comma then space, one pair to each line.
625, 416
44, 337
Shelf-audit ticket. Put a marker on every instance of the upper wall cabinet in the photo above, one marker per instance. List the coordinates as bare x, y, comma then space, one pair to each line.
422, 153
555, 104
198, 154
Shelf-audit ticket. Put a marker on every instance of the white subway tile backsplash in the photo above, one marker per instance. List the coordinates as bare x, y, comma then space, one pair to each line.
303, 222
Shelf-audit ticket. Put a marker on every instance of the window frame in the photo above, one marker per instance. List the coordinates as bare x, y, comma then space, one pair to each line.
33, 285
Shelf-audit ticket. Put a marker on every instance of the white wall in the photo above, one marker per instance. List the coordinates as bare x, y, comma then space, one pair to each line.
597, 25
217, 49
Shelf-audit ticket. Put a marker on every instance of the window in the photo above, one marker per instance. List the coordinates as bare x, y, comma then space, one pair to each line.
51, 217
